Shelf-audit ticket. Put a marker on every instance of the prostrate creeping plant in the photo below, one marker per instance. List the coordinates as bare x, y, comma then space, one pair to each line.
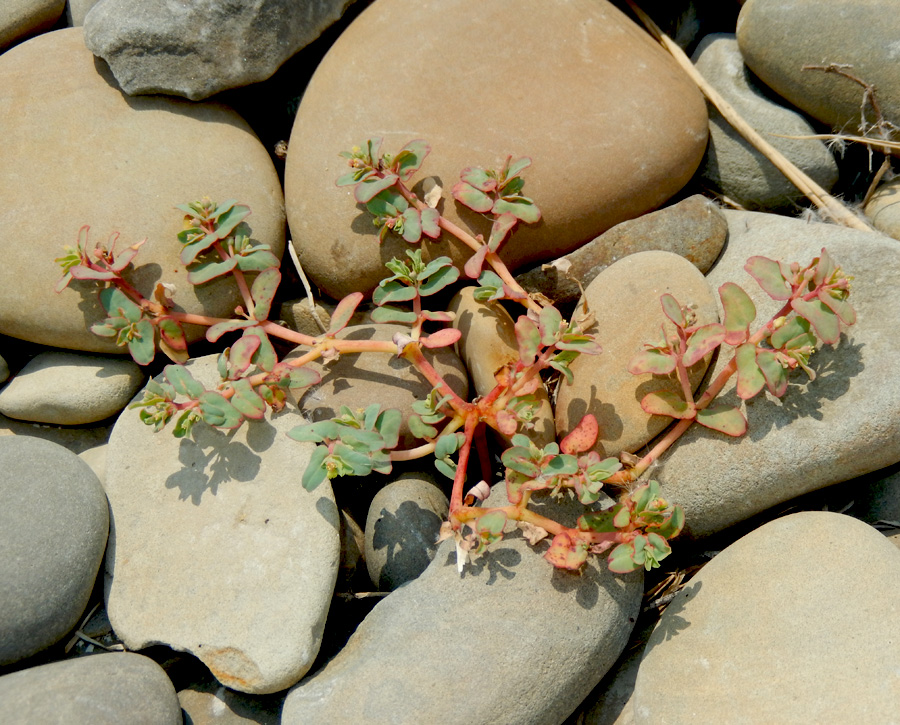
633, 533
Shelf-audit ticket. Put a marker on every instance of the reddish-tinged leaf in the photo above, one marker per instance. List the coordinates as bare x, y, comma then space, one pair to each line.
343, 312
651, 361
773, 372
667, 403
123, 259
825, 268
478, 177
441, 338
220, 328
582, 437
263, 292
438, 316
476, 262
820, 317
247, 401
242, 354
503, 224
229, 219
739, 312
767, 272
549, 323
171, 339
702, 342
81, 272
566, 553
840, 307
724, 419
520, 207
529, 339
471, 197
750, 379
431, 223
507, 423
672, 310
410, 158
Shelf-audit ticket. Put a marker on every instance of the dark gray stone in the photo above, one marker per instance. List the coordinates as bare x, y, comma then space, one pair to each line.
199, 48
402, 529
692, 228
54, 521
104, 689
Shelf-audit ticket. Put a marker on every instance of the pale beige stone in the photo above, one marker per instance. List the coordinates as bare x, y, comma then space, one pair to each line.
625, 300
78, 151
613, 125
21, 18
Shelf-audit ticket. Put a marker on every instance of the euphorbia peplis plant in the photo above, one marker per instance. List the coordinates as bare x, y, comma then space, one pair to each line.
634, 532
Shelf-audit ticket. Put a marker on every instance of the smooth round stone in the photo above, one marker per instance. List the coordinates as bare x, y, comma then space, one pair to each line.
841, 425
884, 208
65, 388
777, 39
358, 380
402, 529
54, 521
793, 623
102, 689
79, 151
693, 228
487, 345
4, 370
21, 18
217, 549
625, 300
613, 126
732, 165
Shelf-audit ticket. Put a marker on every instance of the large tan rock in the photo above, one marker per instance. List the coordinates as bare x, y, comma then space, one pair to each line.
625, 300
613, 125
76, 150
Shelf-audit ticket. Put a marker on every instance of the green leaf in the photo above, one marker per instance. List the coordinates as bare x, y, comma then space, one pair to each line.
191, 249
518, 459
839, 305
651, 361
773, 372
183, 382
388, 425
622, 559
517, 167
724, 419
437, 275
431, 223
673, 524
393, 291
369, 187
142, 345
229, 219
315, 471
550, 324
739, 312
217, 411
247, 400
420, 429
446, 468
446, 445
220, 328
263, 292
790, 330
471, 197
491, 524
117, 303
479, 178
672, 310
767, 273
821, 317
324, 430
410, 158
412, 226
702, 342
388, 203
264, 357
242, 355
520, 207
667, 403
205, 271
257, 260
388, 314
750, 379
600, 521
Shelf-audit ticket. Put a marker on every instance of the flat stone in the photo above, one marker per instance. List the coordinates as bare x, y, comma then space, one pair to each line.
358, 380
627, 130
883, 209
65, 388
22, 18
778, 39
444, 634
74, 438
402, 529
625, 300
155, 149
693, 228
106, 689
217, 550
839, 426
487, 345
793, 623
53, 527
732, 166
